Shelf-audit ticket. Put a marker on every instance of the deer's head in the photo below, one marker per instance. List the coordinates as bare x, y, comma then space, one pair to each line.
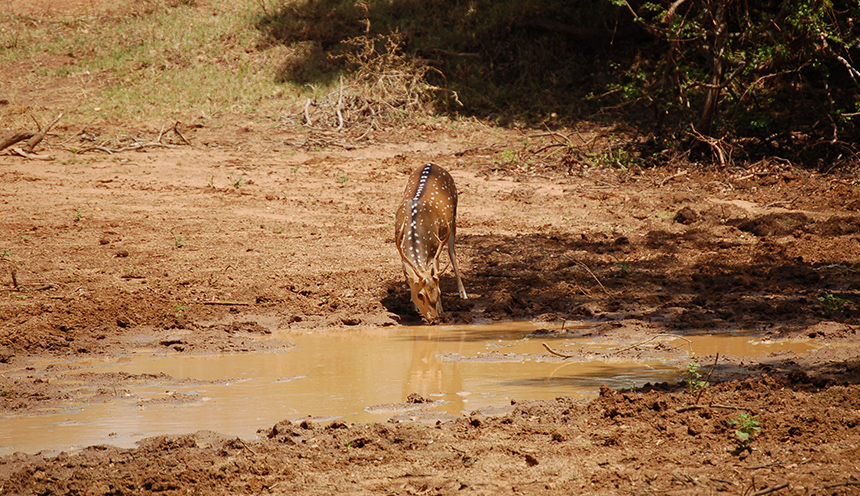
426, 295
423, 280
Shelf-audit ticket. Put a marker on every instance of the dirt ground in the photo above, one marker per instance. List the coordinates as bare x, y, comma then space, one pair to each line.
197, 248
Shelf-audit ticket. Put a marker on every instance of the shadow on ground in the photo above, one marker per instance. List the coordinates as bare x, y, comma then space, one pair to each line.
508, 59
678, 286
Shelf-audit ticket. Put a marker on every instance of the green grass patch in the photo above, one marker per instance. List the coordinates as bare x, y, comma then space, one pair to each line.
138, 60
151, 60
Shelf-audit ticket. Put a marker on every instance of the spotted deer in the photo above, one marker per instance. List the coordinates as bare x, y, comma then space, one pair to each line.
425, 223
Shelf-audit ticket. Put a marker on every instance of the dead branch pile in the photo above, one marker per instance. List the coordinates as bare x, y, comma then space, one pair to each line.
33, 139
128, 143
383, 87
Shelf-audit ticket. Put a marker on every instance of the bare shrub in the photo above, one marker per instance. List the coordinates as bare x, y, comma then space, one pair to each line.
382, 86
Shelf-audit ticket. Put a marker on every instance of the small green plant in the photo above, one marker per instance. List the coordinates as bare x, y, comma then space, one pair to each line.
178, 241
623, 269
614, 157
746, 426
237, 182
833, 303
78, 215
694, 378
343, 179
5, 254
509, 156
179, 309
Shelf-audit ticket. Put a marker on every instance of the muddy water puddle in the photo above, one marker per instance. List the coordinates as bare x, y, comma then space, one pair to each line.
356, 375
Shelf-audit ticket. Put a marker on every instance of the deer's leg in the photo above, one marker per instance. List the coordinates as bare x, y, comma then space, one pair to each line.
451, 254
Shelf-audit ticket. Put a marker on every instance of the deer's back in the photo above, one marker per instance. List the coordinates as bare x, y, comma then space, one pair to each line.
427, 211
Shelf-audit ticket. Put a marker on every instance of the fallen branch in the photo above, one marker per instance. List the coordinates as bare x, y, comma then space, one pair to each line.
844, 484
769, 490
33, 139
31, 156
36, 138
11, 140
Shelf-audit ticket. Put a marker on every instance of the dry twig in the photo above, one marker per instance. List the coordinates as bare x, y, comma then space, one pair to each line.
228, 303
771, 489
35, 139
176, 130
701, 407
81, 130
717, 145
708, 378
673, 176
619, 350
135, 146
557, 353
594, 276
781, 202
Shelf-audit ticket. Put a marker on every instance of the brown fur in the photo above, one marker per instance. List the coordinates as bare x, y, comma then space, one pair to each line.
424, 226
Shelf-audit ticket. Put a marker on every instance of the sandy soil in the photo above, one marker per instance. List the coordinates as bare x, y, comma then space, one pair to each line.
199, 248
